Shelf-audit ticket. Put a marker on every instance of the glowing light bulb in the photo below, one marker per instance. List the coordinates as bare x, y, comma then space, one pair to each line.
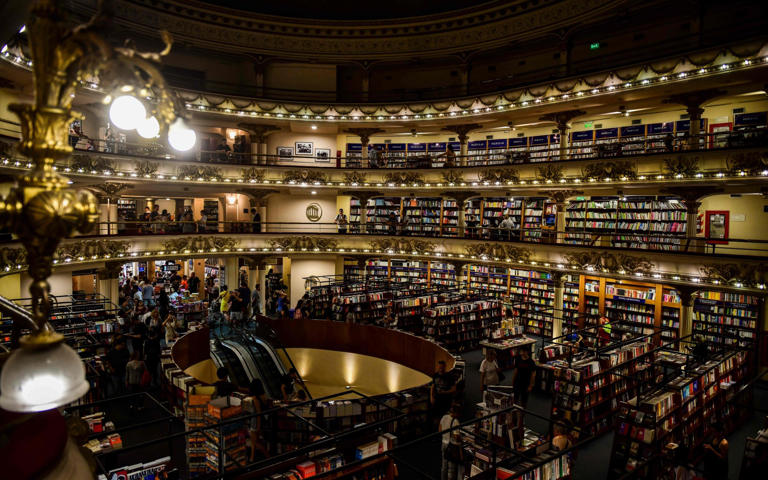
181, 137
149, 128
127, 112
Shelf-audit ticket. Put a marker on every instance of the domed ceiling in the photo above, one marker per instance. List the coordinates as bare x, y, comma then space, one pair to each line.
350, 9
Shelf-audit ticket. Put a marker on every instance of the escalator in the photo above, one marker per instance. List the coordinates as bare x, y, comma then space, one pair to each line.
247, 357
224, 357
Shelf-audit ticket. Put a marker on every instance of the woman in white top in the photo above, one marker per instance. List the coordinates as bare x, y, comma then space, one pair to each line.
489, 370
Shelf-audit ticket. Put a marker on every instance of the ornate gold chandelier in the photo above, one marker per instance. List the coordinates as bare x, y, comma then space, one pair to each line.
46, 373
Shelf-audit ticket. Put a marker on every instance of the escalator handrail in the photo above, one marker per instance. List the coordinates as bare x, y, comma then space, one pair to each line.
275, 338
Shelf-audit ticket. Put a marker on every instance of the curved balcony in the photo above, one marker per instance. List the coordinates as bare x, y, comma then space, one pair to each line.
738, 271
716, 159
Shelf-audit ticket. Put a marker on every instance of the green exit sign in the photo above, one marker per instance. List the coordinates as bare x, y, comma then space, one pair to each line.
587, 124
594, 45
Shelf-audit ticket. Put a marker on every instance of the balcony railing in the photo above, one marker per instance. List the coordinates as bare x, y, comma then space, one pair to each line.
578, 151
651, 241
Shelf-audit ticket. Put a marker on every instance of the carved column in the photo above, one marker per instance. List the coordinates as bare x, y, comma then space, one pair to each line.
108, 193
562, 119
108, 281
363, 197
462, 132
560, 198
258, 200
458, 265
687, 298
365, 135
258, 138
461, 200
693, 101
558, 279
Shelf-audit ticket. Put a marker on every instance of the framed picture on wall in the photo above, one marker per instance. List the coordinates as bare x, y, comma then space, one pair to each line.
323, 155
284, 152
305, 148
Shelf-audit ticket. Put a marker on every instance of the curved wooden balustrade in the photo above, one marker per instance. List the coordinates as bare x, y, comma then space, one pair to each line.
192, 348
399, 347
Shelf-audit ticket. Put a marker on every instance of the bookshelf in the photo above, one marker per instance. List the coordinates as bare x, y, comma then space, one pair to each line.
678, 411
588, 392
354, 215
377, 271
461, 325
539, 148
449, 218
422, 216
442, 275
378, 210
352, 270
647, 222
533, 294
492, 281
727, 318
126, 208
494, 209
410, 272
533, 214
570, 303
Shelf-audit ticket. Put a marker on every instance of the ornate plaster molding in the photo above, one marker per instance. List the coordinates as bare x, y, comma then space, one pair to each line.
200, 243
398, 245
304, 243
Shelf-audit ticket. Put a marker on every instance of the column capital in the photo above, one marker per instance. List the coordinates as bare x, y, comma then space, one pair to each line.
558, 278
255, 262
109, 190
693, 100
690, 196
462, 130
460, 196
258, 132
110, 271
365, 134
687, 295
561, 119
257, 196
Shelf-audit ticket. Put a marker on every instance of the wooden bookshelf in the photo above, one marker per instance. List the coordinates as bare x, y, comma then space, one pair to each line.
679, 411
587, 392
461, 325
727, 318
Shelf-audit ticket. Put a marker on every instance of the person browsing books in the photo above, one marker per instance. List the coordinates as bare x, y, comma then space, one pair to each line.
524, 377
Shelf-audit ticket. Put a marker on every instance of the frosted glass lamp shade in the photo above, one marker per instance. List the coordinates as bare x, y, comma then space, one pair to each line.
38, 379
127, 112
181, 137
149, 128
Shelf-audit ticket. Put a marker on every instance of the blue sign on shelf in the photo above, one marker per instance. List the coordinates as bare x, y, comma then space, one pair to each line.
497, 143
518, 142
756, 118
554, 138
396, 147
378, 146
354, 147
604, 133
478, 145
436, 147
456, 146
539, 140
685, 125
417, 147
658, 128
583, 136
633, 131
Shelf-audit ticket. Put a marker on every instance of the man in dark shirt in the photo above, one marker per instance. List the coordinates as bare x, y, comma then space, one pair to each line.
138, 335
117, 359
193, 283
524, 377
224, 387
245, 296
442, 390
255, 221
